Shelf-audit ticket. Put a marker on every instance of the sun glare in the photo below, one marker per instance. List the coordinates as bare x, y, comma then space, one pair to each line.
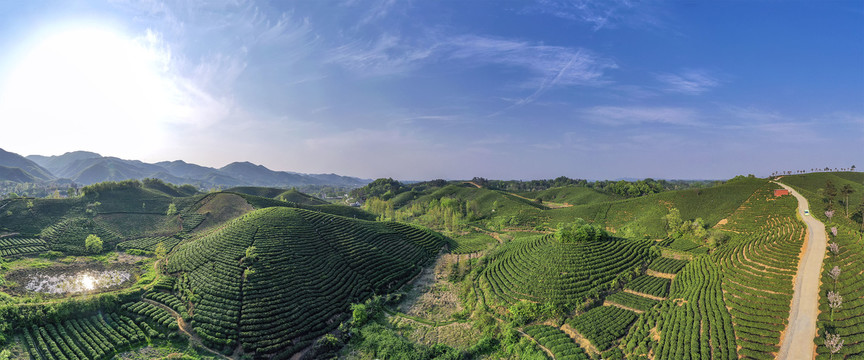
88, 282
89, 80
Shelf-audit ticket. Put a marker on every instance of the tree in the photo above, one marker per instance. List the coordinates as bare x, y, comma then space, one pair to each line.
172, 209
834, 247
673, 221
846, 190
834, 343
834, 274
359, 314
830, 193
834, 301
93, 244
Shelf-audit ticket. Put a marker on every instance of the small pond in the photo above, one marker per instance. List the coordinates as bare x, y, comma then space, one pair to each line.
73, 279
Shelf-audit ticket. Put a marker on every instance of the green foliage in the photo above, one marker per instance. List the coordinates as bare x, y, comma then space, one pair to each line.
524, 312
160, 251
93, 244
667, 265
632, 301
172, 210
471, 243
341, 210
312, 263
579, 232
96, 189
359, 315
379, 342
16, 246
379, 188
846, 320
96, 337
156, 314
69, 235
150, 243
558, 342
543, 269
603, 325
650, 285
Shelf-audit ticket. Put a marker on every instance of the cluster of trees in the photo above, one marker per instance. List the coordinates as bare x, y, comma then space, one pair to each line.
11, 189
524, 312
446, 214
696, 230
384, 188
95, 189
580, 231
621, 187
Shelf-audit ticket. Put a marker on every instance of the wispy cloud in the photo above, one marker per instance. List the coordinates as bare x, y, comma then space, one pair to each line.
691, 82
547, 66
619, 115
374, 10
602, 14
387, 55
551, 65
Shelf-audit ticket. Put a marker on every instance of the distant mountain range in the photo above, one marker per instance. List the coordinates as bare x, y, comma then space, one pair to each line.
83, 167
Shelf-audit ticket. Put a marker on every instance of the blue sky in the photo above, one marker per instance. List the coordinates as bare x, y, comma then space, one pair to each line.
441, 89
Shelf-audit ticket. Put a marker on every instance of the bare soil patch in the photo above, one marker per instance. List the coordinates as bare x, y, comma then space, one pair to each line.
221, 208
431, 296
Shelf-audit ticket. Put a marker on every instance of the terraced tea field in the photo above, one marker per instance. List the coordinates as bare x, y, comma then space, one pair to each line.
266, 280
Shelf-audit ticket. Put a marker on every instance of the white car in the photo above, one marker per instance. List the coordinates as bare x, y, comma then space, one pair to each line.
806, 212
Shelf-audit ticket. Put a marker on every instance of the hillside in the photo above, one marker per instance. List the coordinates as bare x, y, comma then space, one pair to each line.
16, 175
83, 167
844, 320
260, 272
291, 195
13, 160
275, 279
546, 270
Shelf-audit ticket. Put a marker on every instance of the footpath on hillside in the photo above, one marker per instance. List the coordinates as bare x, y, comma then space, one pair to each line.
798, 340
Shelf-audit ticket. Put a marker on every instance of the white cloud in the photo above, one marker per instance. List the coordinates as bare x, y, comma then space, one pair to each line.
634, 115
691, 82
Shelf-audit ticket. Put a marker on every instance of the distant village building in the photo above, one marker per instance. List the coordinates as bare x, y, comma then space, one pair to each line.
356, 204
780, 192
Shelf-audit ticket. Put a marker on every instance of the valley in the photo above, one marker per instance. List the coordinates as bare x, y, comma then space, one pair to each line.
434, 270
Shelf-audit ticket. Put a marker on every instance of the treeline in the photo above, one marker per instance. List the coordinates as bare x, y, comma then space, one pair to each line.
156, 184
11, 189
622, 188
387, 188
448, 214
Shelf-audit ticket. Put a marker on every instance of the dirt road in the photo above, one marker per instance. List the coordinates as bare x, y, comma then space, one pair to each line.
798, 341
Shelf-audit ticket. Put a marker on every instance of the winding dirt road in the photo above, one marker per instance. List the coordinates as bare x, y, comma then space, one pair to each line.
798, 340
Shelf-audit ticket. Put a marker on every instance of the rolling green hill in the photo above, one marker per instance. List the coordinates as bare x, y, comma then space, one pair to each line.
643, 216
275, 279
572, 195
546, 270
267, 273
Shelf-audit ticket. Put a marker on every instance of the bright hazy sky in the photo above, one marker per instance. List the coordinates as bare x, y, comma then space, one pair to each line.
441, 89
